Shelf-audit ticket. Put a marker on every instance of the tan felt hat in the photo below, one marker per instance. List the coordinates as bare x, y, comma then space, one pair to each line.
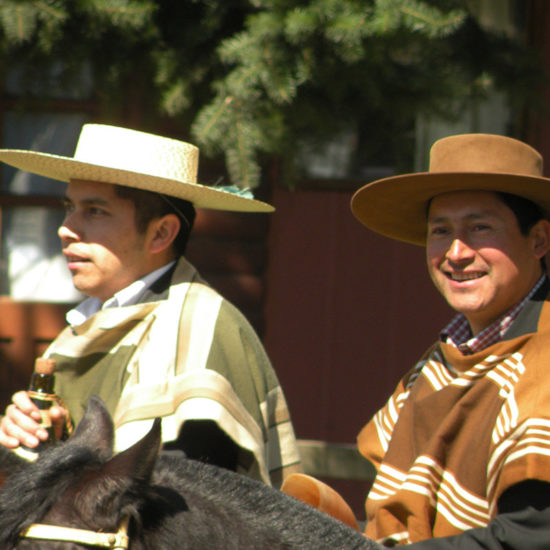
111, 154
397, 206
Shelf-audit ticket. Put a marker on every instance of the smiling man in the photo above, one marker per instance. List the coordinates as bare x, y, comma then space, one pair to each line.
153, 339
478, 258
462, 447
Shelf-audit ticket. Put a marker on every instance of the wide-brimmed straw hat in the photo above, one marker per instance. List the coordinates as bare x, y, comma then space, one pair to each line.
111, 154
397, 206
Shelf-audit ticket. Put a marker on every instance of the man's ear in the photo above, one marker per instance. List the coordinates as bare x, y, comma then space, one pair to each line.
162, 232
541, 238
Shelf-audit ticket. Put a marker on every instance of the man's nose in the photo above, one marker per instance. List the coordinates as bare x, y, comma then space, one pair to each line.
459, 250
66, 231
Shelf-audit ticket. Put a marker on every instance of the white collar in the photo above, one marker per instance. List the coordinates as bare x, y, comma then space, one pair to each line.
125, 297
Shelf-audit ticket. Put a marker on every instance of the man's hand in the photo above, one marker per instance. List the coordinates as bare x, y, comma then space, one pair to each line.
21, 423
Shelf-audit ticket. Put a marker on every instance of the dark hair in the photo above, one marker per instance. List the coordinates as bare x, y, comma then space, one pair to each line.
526, 211
527, 214
150, 205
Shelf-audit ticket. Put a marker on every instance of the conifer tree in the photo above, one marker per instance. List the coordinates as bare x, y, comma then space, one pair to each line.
255, 78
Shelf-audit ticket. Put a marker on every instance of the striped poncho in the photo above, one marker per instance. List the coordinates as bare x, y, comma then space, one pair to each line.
189, 356
460, 430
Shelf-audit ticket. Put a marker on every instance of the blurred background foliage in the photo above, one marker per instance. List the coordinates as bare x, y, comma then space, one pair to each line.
261, 79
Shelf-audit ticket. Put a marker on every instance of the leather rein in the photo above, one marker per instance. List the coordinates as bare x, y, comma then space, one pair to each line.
42, 531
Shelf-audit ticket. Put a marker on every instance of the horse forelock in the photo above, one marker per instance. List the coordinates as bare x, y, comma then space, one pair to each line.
32, 490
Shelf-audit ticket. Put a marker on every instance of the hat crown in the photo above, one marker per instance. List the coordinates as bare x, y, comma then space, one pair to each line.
397, 206
135, 151
110, 154
485, 153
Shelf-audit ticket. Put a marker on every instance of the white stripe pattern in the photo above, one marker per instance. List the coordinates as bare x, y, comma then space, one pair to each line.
437, 375
531, 437
506, 376
385, 419
461, 508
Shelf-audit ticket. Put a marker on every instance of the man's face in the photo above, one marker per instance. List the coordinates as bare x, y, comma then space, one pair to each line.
104, 251
477, 257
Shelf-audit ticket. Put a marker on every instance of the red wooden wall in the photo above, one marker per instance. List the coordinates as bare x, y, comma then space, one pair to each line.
347, 313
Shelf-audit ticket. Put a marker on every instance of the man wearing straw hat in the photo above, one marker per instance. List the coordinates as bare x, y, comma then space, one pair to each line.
462, 447
153, 339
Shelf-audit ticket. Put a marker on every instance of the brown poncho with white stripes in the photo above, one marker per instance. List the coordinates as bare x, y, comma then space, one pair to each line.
458, 431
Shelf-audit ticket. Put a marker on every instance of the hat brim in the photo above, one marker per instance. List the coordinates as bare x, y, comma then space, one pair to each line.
65, 169
396, 207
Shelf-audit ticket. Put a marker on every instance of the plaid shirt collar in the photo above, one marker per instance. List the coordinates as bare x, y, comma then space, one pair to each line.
458, 333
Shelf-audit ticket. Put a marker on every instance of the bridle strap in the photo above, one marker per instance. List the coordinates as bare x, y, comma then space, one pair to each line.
42, 531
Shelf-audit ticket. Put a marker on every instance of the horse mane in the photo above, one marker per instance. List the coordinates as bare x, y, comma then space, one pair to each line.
174, 503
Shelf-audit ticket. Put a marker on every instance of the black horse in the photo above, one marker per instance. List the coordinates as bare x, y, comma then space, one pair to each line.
168, 501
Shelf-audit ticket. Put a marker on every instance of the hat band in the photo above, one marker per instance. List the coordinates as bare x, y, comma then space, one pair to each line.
176, 209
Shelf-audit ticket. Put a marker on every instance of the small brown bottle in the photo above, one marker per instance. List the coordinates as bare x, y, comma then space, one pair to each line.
41, 393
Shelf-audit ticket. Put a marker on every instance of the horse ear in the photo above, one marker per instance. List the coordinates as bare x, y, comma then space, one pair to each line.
138, 460
95, 430
104, 490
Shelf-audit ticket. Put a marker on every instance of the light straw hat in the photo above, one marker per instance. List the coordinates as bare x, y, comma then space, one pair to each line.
397, 206
111, 154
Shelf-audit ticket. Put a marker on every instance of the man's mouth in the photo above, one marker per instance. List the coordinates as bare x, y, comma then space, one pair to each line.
73, 259
460, 277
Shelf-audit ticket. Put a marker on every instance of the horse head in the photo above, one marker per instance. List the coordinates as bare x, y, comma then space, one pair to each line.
76, 484
78, 495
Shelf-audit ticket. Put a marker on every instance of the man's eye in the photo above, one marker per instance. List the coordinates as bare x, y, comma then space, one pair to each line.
438, 230
95, 211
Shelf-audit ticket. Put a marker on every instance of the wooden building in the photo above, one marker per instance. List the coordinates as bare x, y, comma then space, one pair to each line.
343, 312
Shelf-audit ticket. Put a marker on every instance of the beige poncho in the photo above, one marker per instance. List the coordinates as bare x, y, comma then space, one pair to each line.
190, 356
